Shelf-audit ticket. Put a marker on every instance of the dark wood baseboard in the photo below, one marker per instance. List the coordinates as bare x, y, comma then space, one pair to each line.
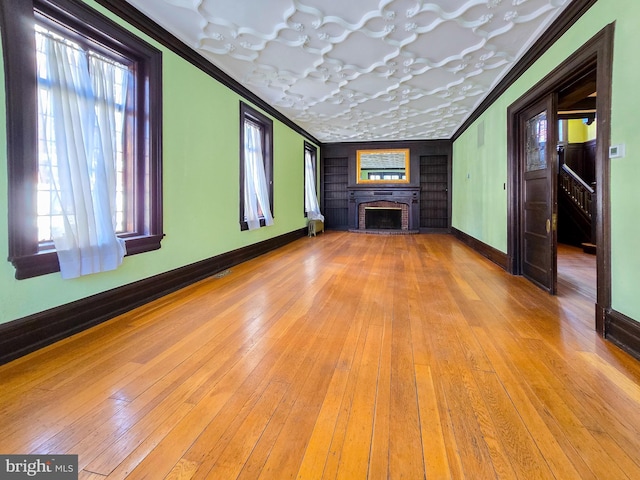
27, 334
601, 317
623, 331
435, 230
496, 256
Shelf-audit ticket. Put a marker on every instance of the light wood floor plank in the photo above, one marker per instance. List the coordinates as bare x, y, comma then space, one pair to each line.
183, 470
379, 464
354, 458
434, 452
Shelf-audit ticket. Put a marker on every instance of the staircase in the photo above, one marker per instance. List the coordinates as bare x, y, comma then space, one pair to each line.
576, 209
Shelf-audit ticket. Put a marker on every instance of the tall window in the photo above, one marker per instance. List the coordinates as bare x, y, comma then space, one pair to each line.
84, 135
311, 207
107, 79
256, 169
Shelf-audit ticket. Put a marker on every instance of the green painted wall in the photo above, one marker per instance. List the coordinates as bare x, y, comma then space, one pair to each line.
201, 178
479, 201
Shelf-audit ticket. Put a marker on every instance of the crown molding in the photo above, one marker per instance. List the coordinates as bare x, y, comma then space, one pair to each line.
134, 17
559, 27
137, 19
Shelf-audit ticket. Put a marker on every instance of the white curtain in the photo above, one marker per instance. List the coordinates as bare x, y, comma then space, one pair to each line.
310, 198
256, 192
84, 117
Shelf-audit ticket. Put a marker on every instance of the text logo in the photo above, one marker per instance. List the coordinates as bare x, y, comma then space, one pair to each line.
49, 467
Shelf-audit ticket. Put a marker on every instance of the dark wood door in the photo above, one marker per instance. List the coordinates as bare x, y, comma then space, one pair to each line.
335, 178
538, 135
434, 187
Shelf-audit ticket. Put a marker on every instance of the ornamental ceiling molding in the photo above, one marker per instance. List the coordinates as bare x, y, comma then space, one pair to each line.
362, 70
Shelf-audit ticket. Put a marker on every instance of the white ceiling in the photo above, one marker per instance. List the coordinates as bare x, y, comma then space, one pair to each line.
362, 70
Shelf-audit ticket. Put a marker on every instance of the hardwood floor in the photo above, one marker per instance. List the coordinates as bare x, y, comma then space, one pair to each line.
576, 271
341, 356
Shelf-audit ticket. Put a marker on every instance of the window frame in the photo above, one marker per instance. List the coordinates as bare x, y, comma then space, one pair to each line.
314, 159
248, 113
17, 20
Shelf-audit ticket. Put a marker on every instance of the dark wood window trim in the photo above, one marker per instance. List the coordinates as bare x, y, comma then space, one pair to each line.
266, 124
314, 160
17, 19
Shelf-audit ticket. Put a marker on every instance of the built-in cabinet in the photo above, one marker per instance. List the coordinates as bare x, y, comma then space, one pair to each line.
335, 201
434, 191
427, 194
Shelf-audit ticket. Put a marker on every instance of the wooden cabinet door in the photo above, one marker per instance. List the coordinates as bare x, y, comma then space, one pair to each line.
434, 191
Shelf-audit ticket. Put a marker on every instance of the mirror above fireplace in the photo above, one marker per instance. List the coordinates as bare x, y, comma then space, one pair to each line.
383, 166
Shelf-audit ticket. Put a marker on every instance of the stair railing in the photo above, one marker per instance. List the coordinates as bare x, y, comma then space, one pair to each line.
578, 190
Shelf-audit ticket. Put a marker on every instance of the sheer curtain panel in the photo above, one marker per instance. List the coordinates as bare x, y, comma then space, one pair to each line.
310, 197
256, 193
77, 107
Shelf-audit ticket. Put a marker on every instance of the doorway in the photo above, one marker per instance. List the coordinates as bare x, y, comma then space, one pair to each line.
576, 187
536, 217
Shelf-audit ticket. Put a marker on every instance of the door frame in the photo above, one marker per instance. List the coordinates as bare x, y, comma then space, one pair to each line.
596, 54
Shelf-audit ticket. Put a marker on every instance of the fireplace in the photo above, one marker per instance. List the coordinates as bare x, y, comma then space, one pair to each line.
384, 202
380, 218
383, 215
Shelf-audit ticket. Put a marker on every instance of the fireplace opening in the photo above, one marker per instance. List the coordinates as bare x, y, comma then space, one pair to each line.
382, 218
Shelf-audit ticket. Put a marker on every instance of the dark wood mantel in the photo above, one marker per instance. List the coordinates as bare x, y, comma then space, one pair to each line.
409, 195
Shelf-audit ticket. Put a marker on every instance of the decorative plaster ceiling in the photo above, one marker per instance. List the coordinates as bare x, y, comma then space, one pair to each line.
362, 70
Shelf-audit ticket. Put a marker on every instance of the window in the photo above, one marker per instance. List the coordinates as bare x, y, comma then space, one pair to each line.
135, 136
563, 130
310, 195
256, 169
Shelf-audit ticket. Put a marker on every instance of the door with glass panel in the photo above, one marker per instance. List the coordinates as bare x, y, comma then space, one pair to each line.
537, 125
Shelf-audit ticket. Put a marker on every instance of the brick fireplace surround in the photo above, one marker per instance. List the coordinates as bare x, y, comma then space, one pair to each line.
407, 198
384, 204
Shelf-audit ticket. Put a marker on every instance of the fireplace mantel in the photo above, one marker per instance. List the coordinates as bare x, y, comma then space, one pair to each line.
409, 195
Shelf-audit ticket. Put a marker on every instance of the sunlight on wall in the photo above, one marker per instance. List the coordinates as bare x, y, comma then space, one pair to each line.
580, 132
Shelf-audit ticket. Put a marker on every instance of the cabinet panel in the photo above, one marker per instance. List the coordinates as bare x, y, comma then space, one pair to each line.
434, 194
335, 178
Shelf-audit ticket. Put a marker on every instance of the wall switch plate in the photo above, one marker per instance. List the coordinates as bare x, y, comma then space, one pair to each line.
616, 151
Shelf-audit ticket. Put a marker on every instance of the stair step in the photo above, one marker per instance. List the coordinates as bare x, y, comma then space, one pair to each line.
589, 248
